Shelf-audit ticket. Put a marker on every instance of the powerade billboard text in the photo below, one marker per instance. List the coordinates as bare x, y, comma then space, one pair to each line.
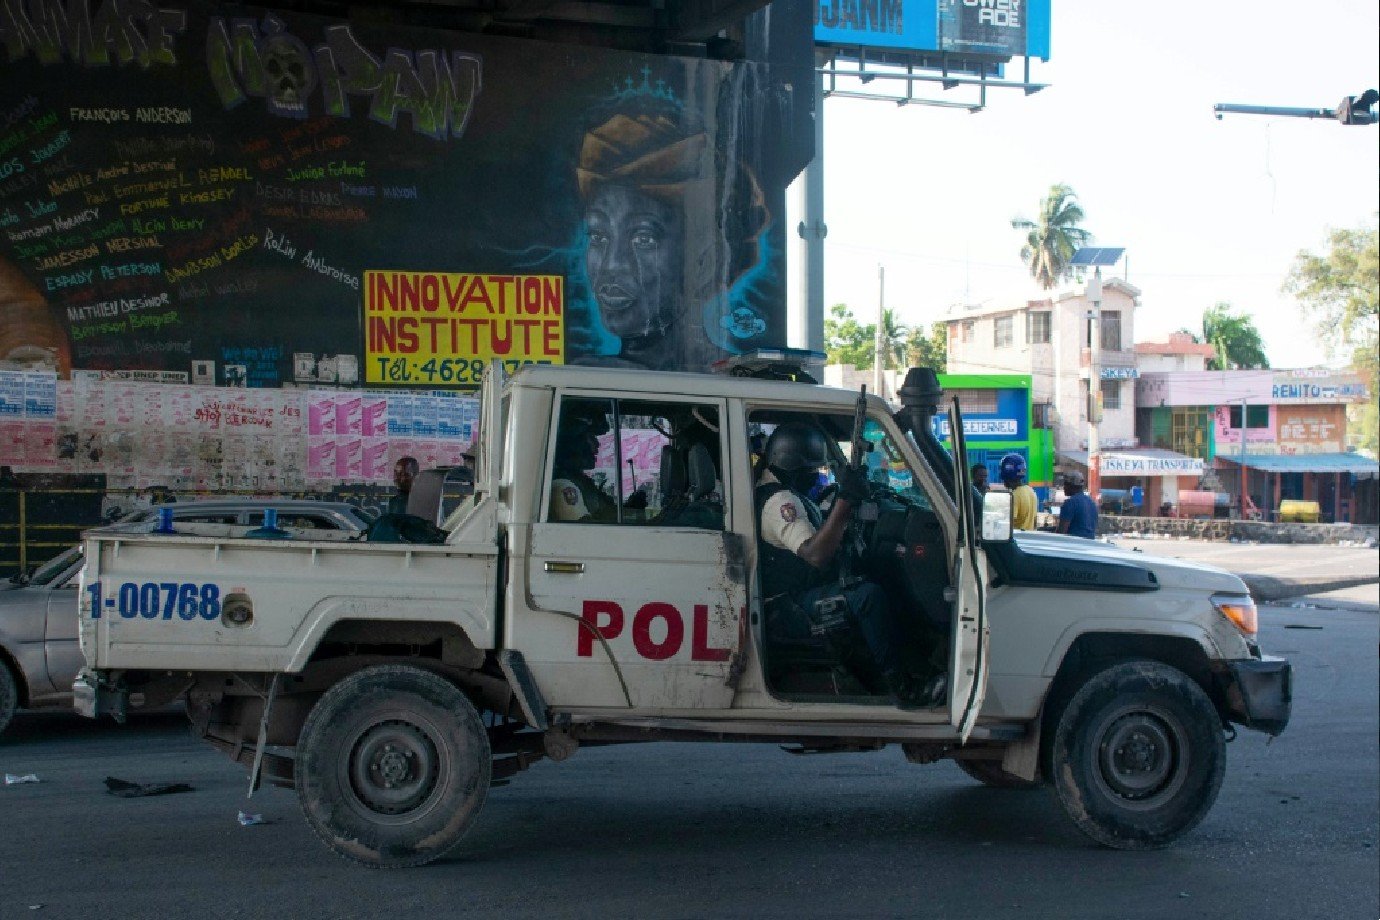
1001, 28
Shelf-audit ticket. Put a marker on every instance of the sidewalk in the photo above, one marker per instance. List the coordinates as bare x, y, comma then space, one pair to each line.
1275, 571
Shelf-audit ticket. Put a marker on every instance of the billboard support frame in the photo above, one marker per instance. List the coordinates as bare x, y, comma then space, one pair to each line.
866, 72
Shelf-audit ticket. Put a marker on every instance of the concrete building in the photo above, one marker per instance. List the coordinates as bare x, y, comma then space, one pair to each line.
1180, 353
1049, 340
1286, 429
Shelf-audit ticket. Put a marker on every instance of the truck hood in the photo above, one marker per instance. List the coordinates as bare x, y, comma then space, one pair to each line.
1168, 572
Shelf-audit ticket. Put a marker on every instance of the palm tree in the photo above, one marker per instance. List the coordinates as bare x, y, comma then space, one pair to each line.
1053, 238
894, 337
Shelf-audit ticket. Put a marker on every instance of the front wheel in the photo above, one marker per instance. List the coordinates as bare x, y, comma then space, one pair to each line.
393, 766
1138, 755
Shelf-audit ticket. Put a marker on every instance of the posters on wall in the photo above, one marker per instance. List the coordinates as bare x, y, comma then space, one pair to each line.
257, 197
142, 435
28, 418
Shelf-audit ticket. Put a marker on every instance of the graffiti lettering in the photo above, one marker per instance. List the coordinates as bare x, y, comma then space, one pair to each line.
52, 148
316, 263
210, 196
202, 144
125, 32
260, 58
146, 204
163, 115
276, 242
72, 183
104, 116
68, 258
131, 269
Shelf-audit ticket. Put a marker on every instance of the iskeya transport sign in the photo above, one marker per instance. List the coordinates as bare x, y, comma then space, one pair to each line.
442, 328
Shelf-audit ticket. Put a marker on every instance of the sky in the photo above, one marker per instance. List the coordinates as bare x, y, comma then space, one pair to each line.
1207, 210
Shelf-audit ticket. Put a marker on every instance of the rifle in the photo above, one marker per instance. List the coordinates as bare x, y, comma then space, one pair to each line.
859, 449
831, 617
857, 460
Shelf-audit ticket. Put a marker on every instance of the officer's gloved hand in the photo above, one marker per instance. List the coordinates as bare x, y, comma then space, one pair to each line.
852, 484
636, 501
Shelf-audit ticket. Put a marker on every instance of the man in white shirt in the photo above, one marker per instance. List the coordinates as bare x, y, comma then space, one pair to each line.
798, 549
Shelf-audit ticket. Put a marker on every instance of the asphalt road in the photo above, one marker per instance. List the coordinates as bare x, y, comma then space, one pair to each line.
1296, 568
720, 830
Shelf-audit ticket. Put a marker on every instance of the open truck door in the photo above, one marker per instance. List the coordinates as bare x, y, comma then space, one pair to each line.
968, 638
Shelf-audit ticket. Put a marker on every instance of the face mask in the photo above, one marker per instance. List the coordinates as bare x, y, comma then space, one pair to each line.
804, 480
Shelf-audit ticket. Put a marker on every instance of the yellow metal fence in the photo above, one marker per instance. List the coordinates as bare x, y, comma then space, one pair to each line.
37, 524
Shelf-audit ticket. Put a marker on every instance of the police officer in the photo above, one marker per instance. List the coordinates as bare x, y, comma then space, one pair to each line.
575, 496
1023, 500
799, 554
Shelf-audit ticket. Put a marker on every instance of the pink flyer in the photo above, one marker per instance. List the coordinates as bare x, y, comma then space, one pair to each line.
374, 465
321, 458
374, 416
321, 414
348, 452
349, 415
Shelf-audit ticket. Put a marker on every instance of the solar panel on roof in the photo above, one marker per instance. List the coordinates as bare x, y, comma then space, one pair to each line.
1097, 256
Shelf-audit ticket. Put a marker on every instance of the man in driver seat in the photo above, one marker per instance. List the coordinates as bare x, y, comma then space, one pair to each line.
798, 549
575, 496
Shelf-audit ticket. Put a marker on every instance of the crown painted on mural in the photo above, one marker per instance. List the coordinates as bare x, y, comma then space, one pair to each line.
630, 91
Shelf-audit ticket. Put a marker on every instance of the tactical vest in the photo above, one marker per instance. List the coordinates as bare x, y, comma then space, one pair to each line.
783, 572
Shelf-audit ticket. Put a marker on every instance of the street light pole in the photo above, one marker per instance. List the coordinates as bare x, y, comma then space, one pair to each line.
1242, 463
1094, 295
879, 355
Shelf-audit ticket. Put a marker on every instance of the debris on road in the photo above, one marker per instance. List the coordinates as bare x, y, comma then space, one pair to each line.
127, 790
13, 780
247, 820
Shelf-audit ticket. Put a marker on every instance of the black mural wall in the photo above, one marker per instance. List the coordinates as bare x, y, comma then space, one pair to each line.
257, 197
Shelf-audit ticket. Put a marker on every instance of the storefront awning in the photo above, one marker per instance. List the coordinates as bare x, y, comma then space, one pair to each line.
1355, 464
1142, 461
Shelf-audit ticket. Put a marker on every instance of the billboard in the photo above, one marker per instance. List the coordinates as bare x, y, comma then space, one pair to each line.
996, 28
259, 198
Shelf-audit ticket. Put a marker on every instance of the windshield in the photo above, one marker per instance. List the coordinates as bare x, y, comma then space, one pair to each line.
54, 567
886, 464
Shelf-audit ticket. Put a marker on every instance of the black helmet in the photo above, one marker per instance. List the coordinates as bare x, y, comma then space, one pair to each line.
794, 447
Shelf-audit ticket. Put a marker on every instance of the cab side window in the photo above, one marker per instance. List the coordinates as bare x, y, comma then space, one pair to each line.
633, 462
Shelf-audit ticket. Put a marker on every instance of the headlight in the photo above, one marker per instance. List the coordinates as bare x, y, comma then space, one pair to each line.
1239, 608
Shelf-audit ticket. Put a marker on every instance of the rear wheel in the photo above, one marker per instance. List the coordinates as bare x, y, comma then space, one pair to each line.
990, 773
9, 695
1138, 755
393, 766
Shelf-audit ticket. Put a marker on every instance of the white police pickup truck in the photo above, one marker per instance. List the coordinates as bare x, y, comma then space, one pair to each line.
603, 587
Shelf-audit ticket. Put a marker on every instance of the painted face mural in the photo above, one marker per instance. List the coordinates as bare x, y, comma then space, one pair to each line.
671, 225
636, 244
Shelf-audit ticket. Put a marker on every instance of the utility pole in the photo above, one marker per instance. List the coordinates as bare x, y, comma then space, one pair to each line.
879, 354
1094, 295
1242, 459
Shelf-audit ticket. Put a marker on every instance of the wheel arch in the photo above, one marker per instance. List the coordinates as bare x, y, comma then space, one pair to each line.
10, 662
366, 622
1091, 652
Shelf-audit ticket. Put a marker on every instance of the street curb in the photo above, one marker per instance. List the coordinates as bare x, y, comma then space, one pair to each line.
1266, 588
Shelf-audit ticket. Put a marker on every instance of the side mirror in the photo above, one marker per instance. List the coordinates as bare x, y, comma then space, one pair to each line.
996, 517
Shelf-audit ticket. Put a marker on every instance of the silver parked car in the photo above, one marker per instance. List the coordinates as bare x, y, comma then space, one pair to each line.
39, 654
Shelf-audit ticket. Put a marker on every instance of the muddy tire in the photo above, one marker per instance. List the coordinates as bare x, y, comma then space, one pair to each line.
990, 773
1138, 755
9, 695
392, 767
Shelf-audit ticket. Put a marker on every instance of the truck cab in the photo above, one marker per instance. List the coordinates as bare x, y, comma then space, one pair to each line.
605, 585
